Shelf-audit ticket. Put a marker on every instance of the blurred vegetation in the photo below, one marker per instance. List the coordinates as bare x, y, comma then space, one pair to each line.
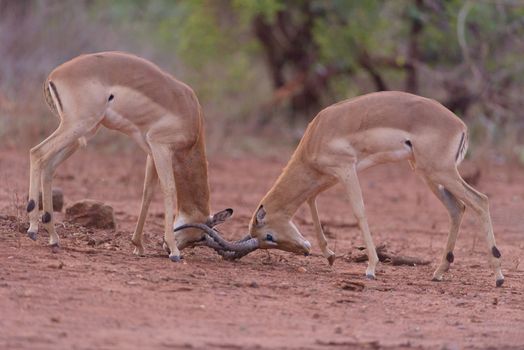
262, 69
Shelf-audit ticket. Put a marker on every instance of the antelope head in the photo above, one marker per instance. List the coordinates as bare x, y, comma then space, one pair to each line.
194, 235
213, 239
264, 233
274, 231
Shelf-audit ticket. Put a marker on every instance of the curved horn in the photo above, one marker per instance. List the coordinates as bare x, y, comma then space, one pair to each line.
239, 246
209, 242
226, 254
229, 255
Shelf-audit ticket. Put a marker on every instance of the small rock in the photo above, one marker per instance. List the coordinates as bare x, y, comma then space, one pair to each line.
338, 330
200, 272
58, 200
23, 227
253, 284
58, 265
301, 269
475, 320
91, 213
353, 285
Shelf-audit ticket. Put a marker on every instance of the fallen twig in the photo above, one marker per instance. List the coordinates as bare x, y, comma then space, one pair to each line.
387, 257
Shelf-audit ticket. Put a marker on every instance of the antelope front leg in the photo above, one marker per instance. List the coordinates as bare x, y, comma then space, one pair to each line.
321, 238
162, 157
150, 181
348, 176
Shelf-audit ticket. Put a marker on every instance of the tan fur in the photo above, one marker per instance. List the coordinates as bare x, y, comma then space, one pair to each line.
356, 134
132, 95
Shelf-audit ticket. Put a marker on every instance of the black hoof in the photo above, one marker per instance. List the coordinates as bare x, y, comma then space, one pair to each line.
55, 248
32, 235
31, 205
370, 277
495, 252
331, 260
306, 254
175, 258
500, 282
46, 218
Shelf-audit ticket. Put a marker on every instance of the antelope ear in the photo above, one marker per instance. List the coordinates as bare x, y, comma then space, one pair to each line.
260, 216
220, 217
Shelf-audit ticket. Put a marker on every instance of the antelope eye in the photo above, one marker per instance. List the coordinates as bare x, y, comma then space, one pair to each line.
270, 238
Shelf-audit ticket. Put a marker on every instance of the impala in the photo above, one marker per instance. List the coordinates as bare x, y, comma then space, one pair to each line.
354, 135
126, 93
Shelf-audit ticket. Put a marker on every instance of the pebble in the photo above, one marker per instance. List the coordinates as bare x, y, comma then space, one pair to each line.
58, 265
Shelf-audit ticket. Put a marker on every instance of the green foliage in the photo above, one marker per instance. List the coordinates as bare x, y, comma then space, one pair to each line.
350, 26
247, 9
200, 37
214, 47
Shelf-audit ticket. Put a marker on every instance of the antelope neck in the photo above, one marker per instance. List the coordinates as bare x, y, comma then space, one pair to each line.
297, 183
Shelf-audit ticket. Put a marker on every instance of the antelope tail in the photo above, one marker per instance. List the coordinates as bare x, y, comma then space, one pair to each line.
462, 149
52, 98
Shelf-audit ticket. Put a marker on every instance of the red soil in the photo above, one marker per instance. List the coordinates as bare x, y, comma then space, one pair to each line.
95, 294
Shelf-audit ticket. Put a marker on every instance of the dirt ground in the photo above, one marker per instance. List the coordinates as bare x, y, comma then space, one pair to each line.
95, 294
